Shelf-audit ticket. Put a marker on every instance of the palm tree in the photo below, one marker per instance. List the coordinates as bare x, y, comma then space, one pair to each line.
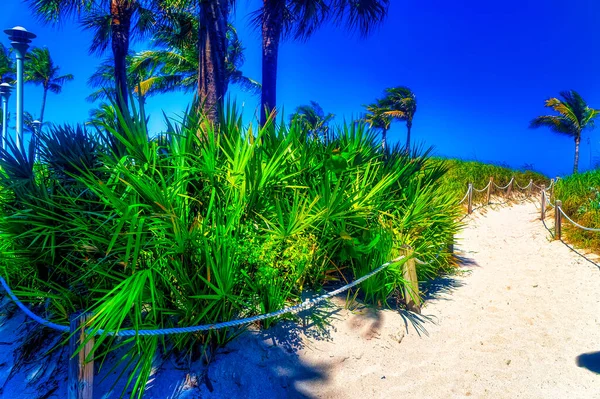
378, 118
313, 119
175, 64
402, 105
280, 19
41, 70
7, 68
574, 115
113, 23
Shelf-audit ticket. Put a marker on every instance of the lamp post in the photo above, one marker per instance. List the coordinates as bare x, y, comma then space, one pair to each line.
19, 39
5, 90
37, 126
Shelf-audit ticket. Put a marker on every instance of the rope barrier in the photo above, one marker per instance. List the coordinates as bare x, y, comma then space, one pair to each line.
505, 187
575, 223
466, 195
483, 189
524, 188
206, 327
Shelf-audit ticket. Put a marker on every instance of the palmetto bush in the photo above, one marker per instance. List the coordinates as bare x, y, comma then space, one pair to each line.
202, 224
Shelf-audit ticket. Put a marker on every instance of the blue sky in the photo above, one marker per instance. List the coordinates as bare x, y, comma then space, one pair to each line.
481, 71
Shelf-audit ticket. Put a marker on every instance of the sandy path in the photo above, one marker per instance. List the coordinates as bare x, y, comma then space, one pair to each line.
513, 326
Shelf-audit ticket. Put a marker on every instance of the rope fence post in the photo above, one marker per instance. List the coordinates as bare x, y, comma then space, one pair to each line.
470, 194
81, 372
558, 220
530, 186
510, 187
412, 298
552, 183
490, 188
543, 215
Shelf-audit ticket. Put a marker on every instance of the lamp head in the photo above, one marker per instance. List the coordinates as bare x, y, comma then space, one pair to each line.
18, 34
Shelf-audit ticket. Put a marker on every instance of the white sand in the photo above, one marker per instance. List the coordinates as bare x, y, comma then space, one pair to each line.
511, 326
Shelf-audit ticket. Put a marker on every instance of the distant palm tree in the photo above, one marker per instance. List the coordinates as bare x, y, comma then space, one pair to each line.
402, 105
41, 70
313, 119
113, 22
378, 117
279, 19
574, 115
7, 68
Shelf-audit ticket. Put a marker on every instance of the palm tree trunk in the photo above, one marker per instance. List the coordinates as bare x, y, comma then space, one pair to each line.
408, 127
271, 35
384, 140
576, 163
43, 104
212, 38
121, 11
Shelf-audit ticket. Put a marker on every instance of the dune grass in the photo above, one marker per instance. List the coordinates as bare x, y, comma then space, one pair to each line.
580, 196
461, 173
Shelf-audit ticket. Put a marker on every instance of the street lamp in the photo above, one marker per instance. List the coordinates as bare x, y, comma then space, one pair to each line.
5, 90
19, 39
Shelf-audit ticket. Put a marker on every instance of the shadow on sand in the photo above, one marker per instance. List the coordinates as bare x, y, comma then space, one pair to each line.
590, 361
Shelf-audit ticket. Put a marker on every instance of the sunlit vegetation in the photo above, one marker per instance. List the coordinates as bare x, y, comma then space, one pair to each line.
203, 224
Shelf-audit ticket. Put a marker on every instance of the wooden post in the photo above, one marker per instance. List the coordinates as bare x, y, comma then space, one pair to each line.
530, 186
557, 220
509, 191
412, 297
490, 188
81, 373
553, 182
470, 197
543, 215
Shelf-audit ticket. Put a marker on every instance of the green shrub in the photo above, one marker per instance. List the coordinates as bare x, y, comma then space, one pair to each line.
206, 224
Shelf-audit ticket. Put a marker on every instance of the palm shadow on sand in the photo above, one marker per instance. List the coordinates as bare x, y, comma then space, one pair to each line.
590, 361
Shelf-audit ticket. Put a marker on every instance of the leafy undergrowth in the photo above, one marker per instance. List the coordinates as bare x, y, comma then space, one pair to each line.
202, 225
580, 196
461, 173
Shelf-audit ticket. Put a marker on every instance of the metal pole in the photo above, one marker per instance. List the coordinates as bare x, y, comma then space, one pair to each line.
4, 121
20, 39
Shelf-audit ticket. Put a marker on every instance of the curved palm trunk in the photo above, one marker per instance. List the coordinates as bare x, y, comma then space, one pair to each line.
408, 127
43, 104
121, 11
576, 163
212, 41
384, 140
271, 35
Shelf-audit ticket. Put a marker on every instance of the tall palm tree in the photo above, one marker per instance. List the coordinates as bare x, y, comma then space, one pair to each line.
41, 70
402, 105
313, 118
378, 117
113, 22
7, 68
299, 19
574, 115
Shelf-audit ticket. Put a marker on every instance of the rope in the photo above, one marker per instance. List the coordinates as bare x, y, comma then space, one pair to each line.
483, 189
206, 327
29, 313
466, 195
505, 187
575, 223
524, 188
